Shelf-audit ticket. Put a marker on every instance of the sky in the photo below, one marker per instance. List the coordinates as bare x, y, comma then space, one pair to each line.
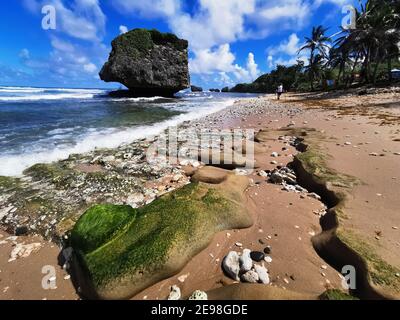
230, 41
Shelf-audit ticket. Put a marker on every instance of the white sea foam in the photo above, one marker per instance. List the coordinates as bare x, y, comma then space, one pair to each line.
60, 96
14, 165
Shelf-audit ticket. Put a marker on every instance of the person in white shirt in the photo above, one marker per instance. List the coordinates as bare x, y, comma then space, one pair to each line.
279, 91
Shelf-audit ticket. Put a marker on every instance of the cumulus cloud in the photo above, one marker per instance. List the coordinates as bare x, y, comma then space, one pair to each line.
149, 9
81, 19
123, 29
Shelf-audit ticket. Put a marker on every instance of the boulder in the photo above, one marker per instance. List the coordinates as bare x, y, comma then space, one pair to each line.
215, 90
120, 251
196, 89
148, 63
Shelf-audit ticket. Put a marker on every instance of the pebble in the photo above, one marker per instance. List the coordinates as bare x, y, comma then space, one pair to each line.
238, 244
231, 265
250, 277
198, 295
268, 259
245, 261
314, 195
262, 274
257, 256
183, 277
175, 293
267, 250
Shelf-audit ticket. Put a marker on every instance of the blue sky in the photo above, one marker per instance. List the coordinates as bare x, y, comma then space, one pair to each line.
231, 41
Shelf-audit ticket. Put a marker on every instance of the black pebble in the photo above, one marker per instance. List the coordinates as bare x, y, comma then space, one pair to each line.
267, 250
20, 231
257, 256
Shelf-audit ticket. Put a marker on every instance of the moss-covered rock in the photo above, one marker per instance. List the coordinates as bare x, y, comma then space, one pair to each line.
123, 250
335, 294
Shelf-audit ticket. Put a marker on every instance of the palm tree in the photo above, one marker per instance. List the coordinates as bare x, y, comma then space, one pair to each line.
318, 46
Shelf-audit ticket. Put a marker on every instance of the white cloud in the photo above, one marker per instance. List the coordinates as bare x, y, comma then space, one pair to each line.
148, 9
219, 60
81, 19
123, 29
252, 67
90, 68
287, 52
289, 47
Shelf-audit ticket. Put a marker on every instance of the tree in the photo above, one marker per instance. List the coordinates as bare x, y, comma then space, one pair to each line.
318, 46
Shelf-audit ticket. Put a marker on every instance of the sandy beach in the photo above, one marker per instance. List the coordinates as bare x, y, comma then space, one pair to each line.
359, 136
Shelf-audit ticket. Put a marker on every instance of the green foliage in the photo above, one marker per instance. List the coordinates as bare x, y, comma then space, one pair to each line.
290, 77
139, 41
8, 183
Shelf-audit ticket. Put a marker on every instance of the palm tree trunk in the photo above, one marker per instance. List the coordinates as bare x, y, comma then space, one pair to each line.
354, 68
390, 68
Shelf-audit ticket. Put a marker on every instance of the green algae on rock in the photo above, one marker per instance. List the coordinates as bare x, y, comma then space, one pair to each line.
123, 250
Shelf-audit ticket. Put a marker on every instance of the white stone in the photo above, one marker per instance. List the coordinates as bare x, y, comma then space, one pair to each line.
250, 277
262, 274
175, 293
231, 265
246, 263
198, 295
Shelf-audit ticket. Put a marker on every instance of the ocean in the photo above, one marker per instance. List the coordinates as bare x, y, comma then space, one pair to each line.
41, 125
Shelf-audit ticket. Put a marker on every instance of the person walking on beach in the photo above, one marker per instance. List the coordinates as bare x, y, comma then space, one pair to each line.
279, 91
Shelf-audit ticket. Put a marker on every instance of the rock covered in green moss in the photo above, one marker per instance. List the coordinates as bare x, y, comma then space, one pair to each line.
123, 250
148, 62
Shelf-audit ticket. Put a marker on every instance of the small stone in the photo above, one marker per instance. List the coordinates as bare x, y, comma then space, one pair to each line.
274, 154
286, 280
231, 265
374, 154
67, 277
245, 261
257, 256
268, 259
395, 228
198, 295
250, 277
347, 143
22, 230
314, 195
182, 278
324, 267
261, 241
267, 250
238, 244
175, 293
262, 274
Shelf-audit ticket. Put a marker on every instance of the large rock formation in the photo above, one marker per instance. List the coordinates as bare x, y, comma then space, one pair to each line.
148, 62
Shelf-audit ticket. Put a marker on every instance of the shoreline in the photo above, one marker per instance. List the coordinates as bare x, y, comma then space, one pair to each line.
260, 113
